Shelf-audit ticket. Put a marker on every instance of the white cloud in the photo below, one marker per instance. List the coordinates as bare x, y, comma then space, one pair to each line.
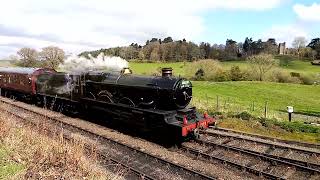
308, 13
285, 33
81, 24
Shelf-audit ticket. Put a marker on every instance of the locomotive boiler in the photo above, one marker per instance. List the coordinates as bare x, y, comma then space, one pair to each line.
157, 92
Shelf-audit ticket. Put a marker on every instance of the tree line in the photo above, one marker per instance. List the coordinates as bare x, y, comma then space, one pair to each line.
169, 50
48, 57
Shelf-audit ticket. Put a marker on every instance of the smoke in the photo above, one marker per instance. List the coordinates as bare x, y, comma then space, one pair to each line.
101, 62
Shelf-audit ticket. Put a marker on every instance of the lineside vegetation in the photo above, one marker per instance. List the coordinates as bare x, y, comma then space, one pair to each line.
27, 153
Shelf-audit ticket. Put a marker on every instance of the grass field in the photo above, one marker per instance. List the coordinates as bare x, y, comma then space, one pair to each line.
304, 98
179, 67
150, 68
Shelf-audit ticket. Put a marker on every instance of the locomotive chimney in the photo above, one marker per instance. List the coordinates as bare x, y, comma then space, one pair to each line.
166, 72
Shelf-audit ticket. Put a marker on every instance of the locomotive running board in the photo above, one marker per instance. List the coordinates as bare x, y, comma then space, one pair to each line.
152, 119
123, 106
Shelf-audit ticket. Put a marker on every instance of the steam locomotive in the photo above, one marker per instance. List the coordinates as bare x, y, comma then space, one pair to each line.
150, 103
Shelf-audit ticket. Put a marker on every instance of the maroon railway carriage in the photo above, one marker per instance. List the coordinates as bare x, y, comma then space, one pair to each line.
20, 80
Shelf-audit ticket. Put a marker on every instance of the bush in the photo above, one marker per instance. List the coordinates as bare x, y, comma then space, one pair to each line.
199, 74
265, 122
278, 75
307, 79
221, 76
295, 80
296, 126
281, 76
260, 64
244, 115
236, 74
209, 70
294, 74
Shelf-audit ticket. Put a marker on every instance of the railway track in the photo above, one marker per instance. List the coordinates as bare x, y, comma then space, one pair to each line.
288, 142
264, 160
114, 154
305, 156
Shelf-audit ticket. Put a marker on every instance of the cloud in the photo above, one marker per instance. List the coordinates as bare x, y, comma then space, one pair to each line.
285, 33
80, 24
308, 13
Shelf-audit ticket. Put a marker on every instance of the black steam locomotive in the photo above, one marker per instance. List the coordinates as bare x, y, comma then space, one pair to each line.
150, 103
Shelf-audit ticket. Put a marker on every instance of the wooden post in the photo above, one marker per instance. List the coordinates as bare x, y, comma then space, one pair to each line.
290, 116
266, 109
228, 102
207, 103
217, 103
252, 105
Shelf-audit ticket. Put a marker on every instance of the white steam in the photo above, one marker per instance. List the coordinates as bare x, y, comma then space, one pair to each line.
101, 62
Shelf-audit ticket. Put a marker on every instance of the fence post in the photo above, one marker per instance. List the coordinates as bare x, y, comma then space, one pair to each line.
207, 103
252, 105
217, 103
266, 109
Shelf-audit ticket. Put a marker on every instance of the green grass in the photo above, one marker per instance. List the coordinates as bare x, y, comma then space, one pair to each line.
7, 167
150, 68
179, 67
288, 64
304, 98
301, 67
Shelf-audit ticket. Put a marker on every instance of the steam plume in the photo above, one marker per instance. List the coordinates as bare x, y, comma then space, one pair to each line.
101, 62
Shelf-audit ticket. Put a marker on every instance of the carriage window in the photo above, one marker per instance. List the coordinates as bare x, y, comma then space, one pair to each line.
13, 79
21, 81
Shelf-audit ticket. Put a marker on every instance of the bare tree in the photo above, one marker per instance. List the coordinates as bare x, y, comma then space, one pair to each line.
261, 64
52, 56
27, 57
299, 43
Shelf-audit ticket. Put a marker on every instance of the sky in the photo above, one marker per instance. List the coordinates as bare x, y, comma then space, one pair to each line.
79, 25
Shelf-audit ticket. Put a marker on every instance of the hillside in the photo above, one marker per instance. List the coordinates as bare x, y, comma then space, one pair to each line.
243, 94
179, 67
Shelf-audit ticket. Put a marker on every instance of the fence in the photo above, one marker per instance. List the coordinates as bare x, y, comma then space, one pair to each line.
256, 108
